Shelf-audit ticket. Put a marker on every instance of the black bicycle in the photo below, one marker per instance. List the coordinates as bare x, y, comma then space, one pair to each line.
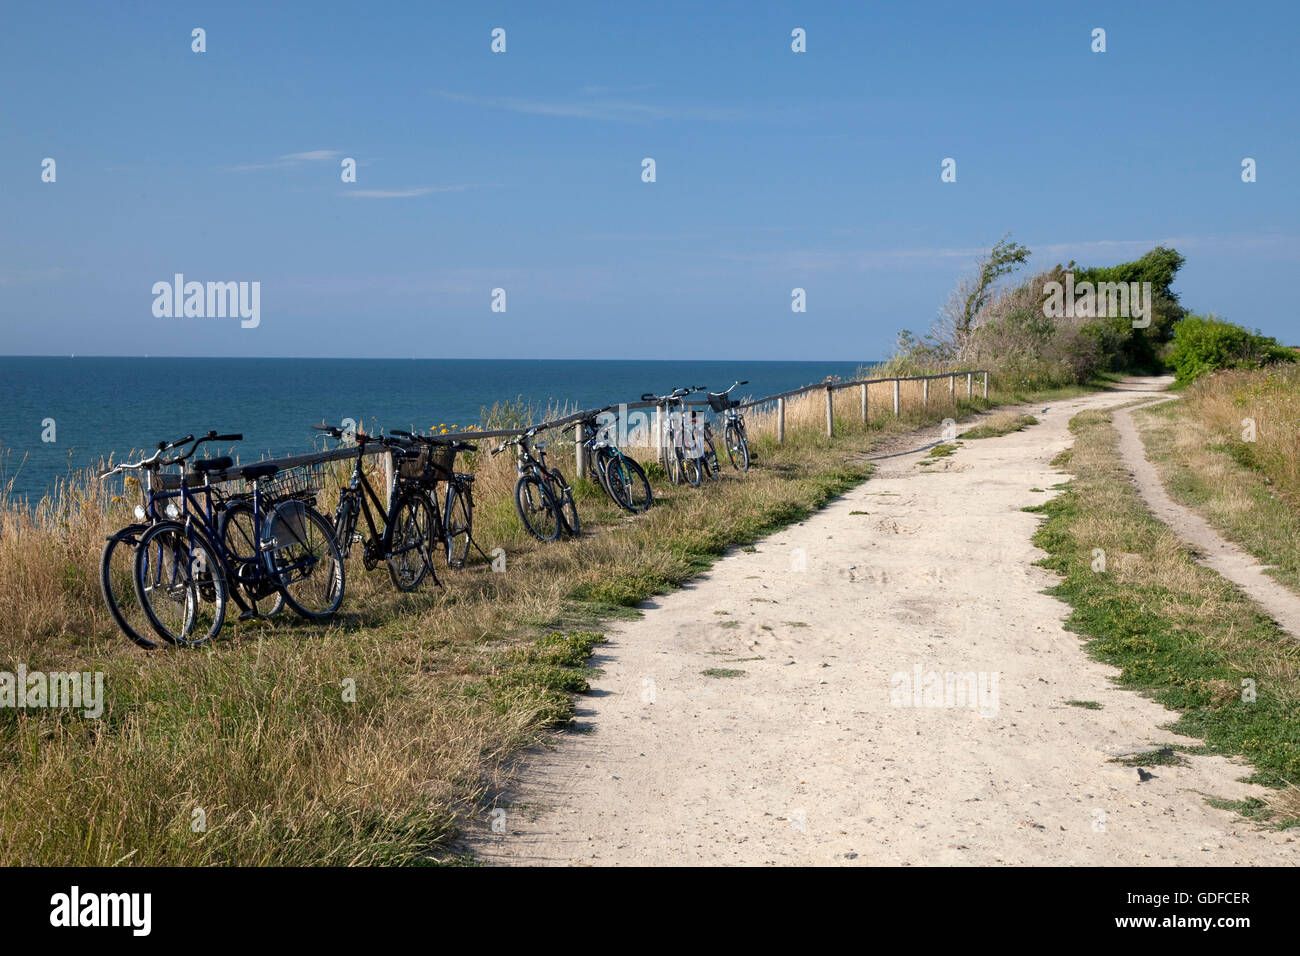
400, 539
543, 498
184, 572
451, 530
733, 435
622, 477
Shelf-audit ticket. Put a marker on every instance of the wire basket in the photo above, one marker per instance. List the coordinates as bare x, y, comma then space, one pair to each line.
295, 482
434, 463
720, 401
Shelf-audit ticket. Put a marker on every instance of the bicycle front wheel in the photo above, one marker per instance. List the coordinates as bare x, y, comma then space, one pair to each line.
117, 585
628, 484
737, 448
303, 558
409, 556
537, 509
179, 584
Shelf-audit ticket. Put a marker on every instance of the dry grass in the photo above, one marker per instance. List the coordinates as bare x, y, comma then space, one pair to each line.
1175, 628
253, 736
1245, 489
1227, 402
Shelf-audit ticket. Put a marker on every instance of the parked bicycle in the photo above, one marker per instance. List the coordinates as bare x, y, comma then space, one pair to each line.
451, 530
400, 537
622, 477
185, 572
733, 436
682, 443
543, 498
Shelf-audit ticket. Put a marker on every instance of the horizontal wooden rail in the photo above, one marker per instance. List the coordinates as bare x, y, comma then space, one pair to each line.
344, 452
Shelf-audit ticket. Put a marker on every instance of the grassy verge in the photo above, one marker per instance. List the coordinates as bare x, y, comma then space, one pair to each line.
1175, 629
1224, 451
372, 739
1003, 423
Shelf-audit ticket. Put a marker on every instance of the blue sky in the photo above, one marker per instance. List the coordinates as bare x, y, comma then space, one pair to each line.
522, 170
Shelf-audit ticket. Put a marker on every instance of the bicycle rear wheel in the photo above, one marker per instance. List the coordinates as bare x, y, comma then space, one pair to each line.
303, 558
459, 522
691, 471
537, 509
409, 557
709, 463
237, 535
179, 584
563, 496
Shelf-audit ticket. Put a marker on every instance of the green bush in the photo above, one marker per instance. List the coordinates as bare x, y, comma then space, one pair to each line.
1204, 343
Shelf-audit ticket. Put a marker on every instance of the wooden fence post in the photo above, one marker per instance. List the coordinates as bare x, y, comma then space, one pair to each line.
897, 402
986, 383
780, 420
579, 450
661, 454
864, 404
970, 383
925, 393
830, 412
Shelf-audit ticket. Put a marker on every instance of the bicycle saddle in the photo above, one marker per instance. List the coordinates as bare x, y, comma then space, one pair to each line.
212, 464
540, 444
253, 472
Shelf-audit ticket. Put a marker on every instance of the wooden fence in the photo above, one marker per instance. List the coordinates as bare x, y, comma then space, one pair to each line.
577, 418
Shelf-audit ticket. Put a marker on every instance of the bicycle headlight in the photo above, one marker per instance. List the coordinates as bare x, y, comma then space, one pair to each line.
172, 510
139, 512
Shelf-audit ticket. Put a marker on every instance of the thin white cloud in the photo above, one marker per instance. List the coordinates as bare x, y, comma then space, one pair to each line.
404, 193
616, 110
292, 160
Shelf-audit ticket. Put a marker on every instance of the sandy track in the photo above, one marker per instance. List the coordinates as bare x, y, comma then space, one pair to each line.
1209, 548
803, 759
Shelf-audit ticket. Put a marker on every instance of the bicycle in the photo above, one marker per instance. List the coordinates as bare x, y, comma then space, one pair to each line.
401, 541
453, 517
115, 583
543, 498
622, 477
734, 437
183, 568
681, 448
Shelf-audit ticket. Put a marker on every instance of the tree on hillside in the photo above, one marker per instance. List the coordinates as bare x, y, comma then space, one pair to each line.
1001, 260
1140, 348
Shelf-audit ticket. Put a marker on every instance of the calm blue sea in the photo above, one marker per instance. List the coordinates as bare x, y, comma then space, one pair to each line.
103, 406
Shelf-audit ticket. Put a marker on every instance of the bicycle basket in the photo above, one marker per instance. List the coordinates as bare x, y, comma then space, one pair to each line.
720, 401
414, 467
294, 482
442, 462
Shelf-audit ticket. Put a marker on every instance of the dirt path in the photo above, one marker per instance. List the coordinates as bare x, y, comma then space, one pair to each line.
817, 752
1210, 548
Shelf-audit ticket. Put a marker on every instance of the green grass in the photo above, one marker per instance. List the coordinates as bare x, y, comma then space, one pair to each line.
1003, 426
1219, 480
1085, 704
451, 684
722, 672
1174, 629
